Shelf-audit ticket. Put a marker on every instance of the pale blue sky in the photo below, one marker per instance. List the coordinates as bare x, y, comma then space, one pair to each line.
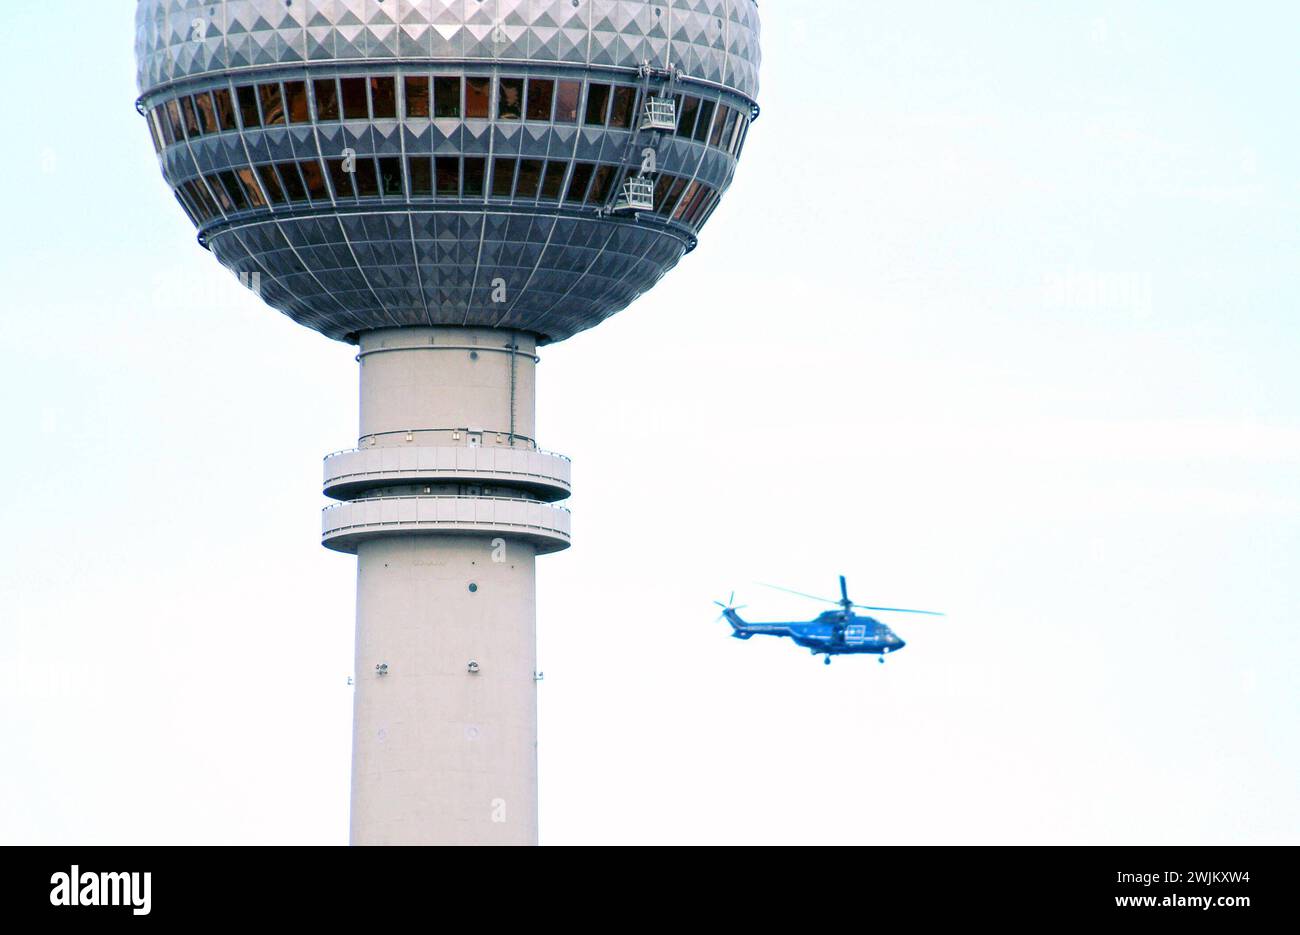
1000, 317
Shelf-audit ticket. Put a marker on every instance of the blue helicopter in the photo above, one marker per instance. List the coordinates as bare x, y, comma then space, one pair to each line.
832, 633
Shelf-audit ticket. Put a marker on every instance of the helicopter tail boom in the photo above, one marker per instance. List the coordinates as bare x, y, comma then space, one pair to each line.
739, 628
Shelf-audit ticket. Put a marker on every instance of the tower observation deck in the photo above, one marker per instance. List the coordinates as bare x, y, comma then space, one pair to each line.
450, 185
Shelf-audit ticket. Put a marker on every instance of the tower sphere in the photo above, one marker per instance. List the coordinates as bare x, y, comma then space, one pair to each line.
524, 164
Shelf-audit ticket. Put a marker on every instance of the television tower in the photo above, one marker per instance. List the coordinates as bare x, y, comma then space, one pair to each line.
449, 185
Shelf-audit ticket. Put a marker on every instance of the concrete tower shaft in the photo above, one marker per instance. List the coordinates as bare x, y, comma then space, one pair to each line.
448, 503
439, 381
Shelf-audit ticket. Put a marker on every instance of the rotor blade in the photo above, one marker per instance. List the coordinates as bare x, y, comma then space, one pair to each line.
844, 589
902, 610
814, 597
732, 599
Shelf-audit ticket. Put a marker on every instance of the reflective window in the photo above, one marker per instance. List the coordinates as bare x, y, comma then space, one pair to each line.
417, 95
383, 98
295, 101
475, 168
353, 94
742, 135
541, 98
155, 130
174, 122
390, 176
601, 186
207, 112
706, 121
199, 198
478, 91
447, 177
421, 175
597, 104
234, 189
247, 95
693, 204
219, 192
367, 179
327, 99
191, 118
447, 170
709, 205
225, 109
582, 172
315, 179
688, 112
272, 105
530, 177
164, 125
503, 177
271, 183
734, 146
510, 98
624, 108
661, 189
722, 138
251, 188
205, 195
200, 193
686, 201
292, 181
446, 97
674, 193
567, 98
553, 180
342, 180
185, 195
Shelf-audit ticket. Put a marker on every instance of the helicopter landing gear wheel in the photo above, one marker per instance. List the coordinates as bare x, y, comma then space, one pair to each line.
881, 660
827, 660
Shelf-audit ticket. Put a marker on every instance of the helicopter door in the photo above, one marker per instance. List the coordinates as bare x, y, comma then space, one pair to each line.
856, 633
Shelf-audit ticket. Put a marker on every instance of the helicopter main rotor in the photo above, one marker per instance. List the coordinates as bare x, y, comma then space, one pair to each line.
847, 604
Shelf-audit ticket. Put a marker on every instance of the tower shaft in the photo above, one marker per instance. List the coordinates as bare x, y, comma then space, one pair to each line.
447, 507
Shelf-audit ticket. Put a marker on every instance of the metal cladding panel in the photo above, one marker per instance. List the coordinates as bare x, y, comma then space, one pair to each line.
341, 278
342, 258
714, 40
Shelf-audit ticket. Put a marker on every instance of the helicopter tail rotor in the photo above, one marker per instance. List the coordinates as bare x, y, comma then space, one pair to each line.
730, 605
